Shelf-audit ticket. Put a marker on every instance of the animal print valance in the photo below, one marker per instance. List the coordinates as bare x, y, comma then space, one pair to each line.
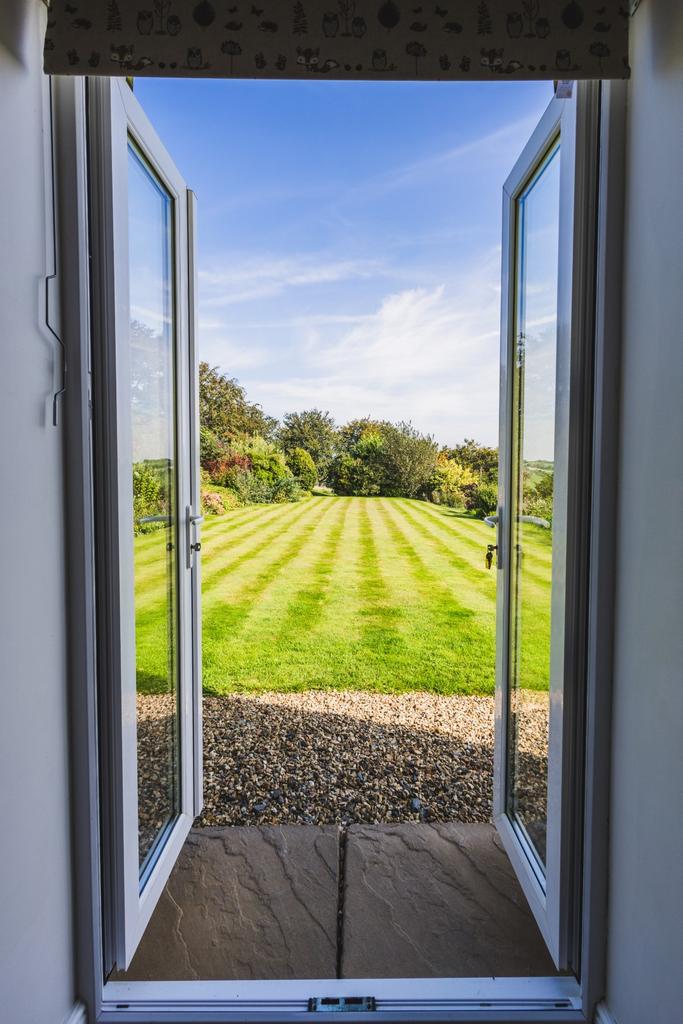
366, 39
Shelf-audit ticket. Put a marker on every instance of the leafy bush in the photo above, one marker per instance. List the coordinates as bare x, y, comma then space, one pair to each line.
245, 486
409, 460
351, 475
266, 461
538, 499
377, 457
451, 483
148, 496
482, 499
210, 448
481, 460
302, 467
314, 431
216, 500
222, 469
212, 504
287, 489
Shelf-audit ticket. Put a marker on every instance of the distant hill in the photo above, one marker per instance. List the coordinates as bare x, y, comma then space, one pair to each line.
536, 468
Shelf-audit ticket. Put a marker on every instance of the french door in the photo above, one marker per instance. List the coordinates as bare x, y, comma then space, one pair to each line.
548, 244
148, 603
147, 500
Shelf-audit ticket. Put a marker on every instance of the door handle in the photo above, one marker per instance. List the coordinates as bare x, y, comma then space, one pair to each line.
192, 520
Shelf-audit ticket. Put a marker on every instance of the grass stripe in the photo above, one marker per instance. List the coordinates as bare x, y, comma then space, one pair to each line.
148, 569
461, 572
248, 547
151, 577
227, 618
463, 636
306, 607
380, 615
475, 534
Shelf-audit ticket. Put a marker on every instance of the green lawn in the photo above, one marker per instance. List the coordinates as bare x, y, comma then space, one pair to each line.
383, 594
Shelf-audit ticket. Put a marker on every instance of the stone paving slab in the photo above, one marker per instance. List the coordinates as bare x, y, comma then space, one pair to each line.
246, 903
435, 900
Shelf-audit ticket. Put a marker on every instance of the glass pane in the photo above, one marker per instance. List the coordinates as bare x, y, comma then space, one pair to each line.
533, 442
153, 401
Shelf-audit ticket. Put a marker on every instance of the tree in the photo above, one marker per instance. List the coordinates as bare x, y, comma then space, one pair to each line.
210, 448
267, 462
538, 498
483, 499
358, 465
315, 432
377, 457
225, 411
302, 467
482, 461
451, 482
409, 459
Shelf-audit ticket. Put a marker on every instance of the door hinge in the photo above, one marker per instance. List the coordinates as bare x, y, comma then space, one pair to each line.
342, 1004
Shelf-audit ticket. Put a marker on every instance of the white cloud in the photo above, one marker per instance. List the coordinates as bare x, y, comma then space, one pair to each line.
426, 354
488, 147
246, 280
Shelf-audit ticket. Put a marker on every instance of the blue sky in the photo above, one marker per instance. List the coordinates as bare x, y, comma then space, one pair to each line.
349, 239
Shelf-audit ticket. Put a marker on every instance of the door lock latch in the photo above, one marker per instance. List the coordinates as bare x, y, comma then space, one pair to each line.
490, 548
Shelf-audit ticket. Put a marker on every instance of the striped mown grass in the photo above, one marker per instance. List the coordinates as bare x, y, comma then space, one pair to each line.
382, 594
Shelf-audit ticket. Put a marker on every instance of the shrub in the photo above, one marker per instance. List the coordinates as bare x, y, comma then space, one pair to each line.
302, 467
315, 432
538, 499
377, 457
247, 488
409, 460
220, 471
148, 497
482, 499
287, 489
212, 504
210, 448
350, 474
451, 482
267, 462
481, 460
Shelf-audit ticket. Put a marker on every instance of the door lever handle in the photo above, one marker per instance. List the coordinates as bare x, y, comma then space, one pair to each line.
191, 519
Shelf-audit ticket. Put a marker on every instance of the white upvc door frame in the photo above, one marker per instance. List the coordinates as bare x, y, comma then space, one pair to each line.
116, 122
573, 124
193, 510
525, 1001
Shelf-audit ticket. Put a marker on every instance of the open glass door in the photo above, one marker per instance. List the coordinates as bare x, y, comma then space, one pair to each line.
144, 350
543, 496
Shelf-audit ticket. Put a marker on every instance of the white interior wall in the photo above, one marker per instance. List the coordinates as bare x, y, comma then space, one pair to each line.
645, 948
36, 970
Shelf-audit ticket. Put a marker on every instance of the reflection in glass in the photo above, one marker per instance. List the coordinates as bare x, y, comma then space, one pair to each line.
152, 367
533, 441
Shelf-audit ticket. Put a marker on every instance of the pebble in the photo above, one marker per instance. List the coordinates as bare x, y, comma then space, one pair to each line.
345, 757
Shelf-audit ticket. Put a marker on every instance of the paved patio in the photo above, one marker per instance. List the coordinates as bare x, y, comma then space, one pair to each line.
408, 900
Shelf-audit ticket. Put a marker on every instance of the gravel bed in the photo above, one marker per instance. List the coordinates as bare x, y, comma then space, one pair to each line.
346, 757
156, 767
